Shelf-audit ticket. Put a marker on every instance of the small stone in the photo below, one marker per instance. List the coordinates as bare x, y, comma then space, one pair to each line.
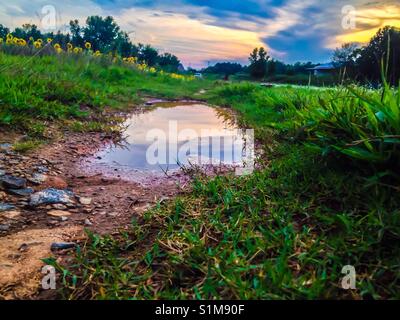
11, 182
58, 213
85, 201
6, 207
12, 215
59, 206
55, 182
2, 172
21, 192
51, 196
37, 178
3, 195
4, 227
88, 222
62, 245
63, 219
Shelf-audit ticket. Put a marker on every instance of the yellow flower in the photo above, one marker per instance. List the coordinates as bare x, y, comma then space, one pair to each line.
57, 46
70, 46
76, 50
37, 44
59, 50
49, 40
1, 40
97, 53
88, 45
21, 42
39, 41
31, 39
9, 36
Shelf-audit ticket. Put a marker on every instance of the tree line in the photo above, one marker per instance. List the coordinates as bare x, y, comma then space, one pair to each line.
363, 64
104, 34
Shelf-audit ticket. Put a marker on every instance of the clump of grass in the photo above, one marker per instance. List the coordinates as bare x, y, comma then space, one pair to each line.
26, 146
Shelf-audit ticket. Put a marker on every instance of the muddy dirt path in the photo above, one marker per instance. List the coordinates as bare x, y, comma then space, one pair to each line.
101, 204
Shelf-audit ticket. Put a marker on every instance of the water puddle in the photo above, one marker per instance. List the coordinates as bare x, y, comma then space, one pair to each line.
167, 136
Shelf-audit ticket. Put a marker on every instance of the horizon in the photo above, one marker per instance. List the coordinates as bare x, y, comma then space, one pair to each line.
206, 32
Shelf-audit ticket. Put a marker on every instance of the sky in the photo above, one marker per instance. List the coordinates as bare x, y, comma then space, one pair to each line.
202, 32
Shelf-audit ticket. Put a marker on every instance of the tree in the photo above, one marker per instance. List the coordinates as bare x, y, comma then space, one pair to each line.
3, 31
258, 63
101, 32
169, 62
148, 54
384, 48
76, 33
225, 68
27, 31
345, 55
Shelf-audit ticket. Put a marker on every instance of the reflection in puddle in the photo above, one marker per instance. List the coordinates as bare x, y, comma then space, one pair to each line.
170, 135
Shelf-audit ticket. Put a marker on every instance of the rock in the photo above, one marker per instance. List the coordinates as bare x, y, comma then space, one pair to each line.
37, 178
55, 182
12, 215
59, 206
21, 192
5, 146
6, 207
88, 222
11, 182
62, 245
42, 169
51, 196
4, 227
59, 213
3, 195
2, 172
85, 201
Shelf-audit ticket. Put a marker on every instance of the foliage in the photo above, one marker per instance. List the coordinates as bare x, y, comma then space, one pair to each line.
258, 63
284, 232
77, 86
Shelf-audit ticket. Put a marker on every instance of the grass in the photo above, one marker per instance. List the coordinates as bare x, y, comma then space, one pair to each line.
284, 232
36, 91
325, 196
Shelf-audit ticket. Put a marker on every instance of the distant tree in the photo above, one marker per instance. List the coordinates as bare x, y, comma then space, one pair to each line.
76, 33
124, 46
258, 63
384, 48
224, 68
101, 32
3, 31
345, 55
27, 31
169, 62
148, 54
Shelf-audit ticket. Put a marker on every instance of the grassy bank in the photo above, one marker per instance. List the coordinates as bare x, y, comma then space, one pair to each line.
69, 90
326, 197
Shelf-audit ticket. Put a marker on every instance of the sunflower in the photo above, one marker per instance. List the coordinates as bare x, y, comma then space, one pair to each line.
70, 46
57, 46
88, 45
37, 44
49, 40
39, 41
